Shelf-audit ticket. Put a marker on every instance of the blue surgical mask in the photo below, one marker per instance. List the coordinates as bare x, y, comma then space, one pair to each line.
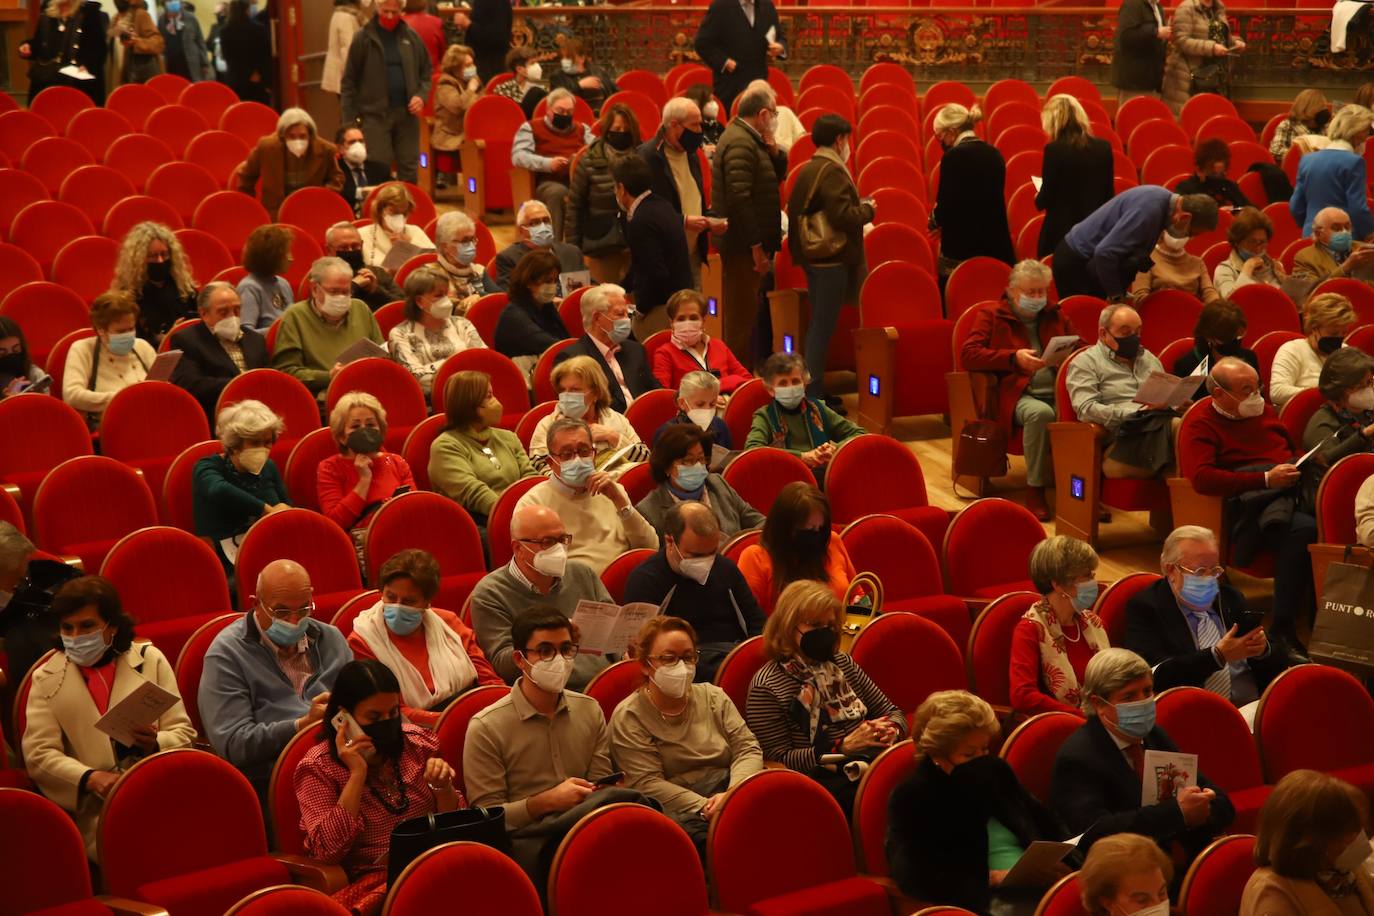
1031, 305
286, 634
790, 396
1340, 242
620, 330
87, 649
691, 477
122, 344
402, 620
1244, 255
542, 235
466, 253
1085, 593
572, 404
1199, 591
173, 6
575, 472
1136, 719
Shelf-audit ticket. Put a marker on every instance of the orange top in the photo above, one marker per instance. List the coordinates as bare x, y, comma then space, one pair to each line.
757, 567
413, 648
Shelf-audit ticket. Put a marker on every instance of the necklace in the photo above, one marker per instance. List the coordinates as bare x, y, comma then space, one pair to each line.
665, 716
394, 785
1078, 631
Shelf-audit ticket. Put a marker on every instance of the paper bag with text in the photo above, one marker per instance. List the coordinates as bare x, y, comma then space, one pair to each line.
1343, 635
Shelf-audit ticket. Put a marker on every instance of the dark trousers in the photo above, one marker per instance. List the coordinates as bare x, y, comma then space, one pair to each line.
394, 137
825, 288
1071, 274
1293, 594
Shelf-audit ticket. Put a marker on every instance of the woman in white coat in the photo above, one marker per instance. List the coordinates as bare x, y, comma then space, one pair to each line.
347, 18
99, 664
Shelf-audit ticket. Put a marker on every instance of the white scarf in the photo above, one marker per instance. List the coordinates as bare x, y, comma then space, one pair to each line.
449, 664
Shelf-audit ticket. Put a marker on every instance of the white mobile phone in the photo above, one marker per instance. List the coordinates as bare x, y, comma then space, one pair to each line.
343, 721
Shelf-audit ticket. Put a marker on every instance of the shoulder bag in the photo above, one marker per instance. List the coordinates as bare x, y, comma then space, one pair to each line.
418, 835
819, 240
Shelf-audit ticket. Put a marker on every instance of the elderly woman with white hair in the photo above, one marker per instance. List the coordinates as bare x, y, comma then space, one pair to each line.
431, 331
353, 484
455, 236
1335, 176
1009, 341
1098, 773
153, 268
293, 157
987, 818
232, 490
698, 403
607, 325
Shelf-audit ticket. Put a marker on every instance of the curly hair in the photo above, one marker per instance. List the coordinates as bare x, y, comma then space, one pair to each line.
131, 267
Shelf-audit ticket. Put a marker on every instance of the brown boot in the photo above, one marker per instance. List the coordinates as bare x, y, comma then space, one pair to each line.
1035, 501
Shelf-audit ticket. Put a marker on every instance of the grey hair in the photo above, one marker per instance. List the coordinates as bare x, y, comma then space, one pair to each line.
1225, 365
526, 207
1348, 121
1173, 544
557, 95
1109, 671
563, 425
208, 291
341, 225
1342, 371
698, 380
1321, 220
14, 547
1060, 559
326, 266
1108, 313
247, 420
753, 101
1029, 269
690, 514
678, 108
597, 300
450, 224
294, 117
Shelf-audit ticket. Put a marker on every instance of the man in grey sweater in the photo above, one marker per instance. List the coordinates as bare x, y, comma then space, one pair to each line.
539, 573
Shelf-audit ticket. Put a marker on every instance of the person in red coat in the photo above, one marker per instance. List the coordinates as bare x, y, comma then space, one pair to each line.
354, 483
1008, 341
1237, 447
692, 350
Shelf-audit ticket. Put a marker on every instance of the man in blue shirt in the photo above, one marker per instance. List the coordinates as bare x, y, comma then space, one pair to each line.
1101, 255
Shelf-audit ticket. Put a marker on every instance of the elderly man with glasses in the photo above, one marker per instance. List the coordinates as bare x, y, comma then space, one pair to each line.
267, 675
1194, 629
539, 574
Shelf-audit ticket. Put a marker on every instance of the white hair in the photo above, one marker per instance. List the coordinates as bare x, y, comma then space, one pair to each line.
699, 380
597, 300
337, 227
247, 420
526, 207
1108, 313
294, 117
678, 108
14, 547
1029, 269
558, 95
326, 267
450, 224
1173, 544
207, 292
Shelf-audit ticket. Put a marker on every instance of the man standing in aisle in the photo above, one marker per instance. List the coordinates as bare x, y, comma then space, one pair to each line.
737, 39
386, 80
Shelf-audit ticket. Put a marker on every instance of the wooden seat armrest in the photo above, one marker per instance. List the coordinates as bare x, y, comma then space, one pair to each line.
902, 905
327, 879
122, 906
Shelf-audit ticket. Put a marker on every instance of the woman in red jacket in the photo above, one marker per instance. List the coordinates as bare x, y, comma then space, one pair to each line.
1008, 341
691, 350
354, 483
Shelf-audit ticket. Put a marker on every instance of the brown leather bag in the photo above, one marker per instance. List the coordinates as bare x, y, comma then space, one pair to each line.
982, 446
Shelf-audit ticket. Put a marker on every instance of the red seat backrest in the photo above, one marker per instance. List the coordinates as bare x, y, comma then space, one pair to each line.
59, 104
898, 293
1203, 723
1360, 295
759, 474
389, 382
347, 614
1335, 496
231, 216
492, 122
738, 668
897, 552
17, 267
18, 189
135, 102
651, 410
1031, 748
322, 547
890, 769
524, 430
417, 446
485, 313
89, 499
615, 683
52, 159
615, 575
177, 497
887, 72
1295, 733
1200, 108
900, 205
288, 398
485, 879
427, 521
43, 227
989, 541
976, 280
873, 474
249, 121
283, 809
19, 129
97, 128
183, 185
898, 242
47, 868
498, 522
149, 424
1111, 604
452, 727
1066, 897
206, 253
140, 208
1165, 316
190, 664
989, 646
286, 900
1166, 162
220, 153
740, 410
507, 381
209, 98
645, 83
1215, 883
176, 125
885, 648
47, 312
1266, 309
94, 189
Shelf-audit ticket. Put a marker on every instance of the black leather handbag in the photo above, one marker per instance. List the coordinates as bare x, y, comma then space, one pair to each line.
418, 835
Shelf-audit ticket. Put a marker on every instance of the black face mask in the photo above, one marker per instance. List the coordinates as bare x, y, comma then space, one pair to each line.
691, 140
560, 121
1230, 348
1329, 345
353, 259
160, 271
12, 366
619, 139
819, 645
811, 543
365, 440
976, 774
386, 736
1321, 119
1128, 347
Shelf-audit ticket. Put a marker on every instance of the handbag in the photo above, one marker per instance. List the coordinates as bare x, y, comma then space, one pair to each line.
418, 835
982, 450
1213, 76
863, 601
1343, 633
819, 240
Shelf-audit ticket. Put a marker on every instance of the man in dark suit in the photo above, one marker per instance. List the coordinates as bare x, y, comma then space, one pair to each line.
1141, 41
1188, 625
361, 174
1099, 772
606, 318
737, 39
533, 230
487, 28
675, 175
659, 262
217, 348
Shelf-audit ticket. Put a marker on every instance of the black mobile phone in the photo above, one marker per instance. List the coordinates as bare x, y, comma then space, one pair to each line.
1249, 622
609, 780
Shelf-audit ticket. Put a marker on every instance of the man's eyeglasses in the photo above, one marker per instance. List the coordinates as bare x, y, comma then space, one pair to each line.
549, 542
545, 652
1212, 572
585, 451
289, 615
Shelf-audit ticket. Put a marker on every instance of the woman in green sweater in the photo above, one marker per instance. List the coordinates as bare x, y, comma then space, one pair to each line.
804, 426
473, 460
231, 491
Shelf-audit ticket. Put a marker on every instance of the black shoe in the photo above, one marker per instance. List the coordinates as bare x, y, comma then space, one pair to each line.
441, 182
1287, 646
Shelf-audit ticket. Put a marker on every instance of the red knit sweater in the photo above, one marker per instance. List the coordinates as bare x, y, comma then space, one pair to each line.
549, 142
1210, 445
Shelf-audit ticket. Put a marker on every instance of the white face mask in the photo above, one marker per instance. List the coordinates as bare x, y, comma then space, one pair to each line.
297, 148
551, 675
534, 73
1362, 399
1252, 406
1172, 243
253, 460
356, 154
394, 222
674, 679
442, 308
698, 569
551, 562
702, 416
228, 329
336, 306
1354, 855
1158, 909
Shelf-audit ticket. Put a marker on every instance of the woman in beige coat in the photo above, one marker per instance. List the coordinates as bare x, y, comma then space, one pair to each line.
1201, 34
98, 666
345, 21
136, 45
457, 89
1311, 851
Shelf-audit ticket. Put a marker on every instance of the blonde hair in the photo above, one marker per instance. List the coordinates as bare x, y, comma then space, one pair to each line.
589, 373
1325, 310
131, 266
1350, 121
956, 117
1113, 857
453, 57
396, 197
1063, 118
1306, 105
338, 417
802, 600
1060, 560
948, 717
